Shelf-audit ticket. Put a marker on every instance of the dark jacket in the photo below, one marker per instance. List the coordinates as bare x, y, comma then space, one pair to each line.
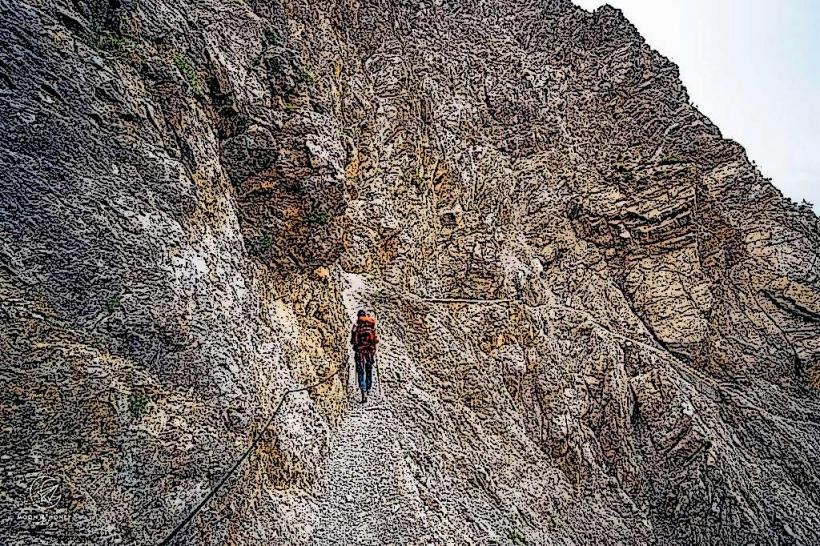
357, 345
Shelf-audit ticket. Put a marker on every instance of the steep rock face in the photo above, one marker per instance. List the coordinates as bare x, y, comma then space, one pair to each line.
154, 311
600, 321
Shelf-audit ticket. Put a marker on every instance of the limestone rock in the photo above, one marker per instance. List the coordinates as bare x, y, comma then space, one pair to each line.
600, 323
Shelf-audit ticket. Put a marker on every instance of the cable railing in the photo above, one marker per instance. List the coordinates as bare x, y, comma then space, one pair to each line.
247, 453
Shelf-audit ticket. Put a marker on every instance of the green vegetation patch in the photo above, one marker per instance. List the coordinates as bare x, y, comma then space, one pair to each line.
516, 538
186, 68
671, 160
318, 218
308, 77
137, 404
113, 303
113, 43
265, 242
242, 123
272, 37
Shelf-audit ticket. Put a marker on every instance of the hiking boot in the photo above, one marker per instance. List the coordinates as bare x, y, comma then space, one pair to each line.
364, 397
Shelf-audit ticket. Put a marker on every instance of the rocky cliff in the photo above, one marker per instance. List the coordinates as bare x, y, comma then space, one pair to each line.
600, 322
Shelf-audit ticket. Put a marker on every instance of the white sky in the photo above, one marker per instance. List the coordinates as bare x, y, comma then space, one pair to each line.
753, 67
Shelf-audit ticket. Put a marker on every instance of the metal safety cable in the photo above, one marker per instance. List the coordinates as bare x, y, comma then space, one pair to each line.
245, 455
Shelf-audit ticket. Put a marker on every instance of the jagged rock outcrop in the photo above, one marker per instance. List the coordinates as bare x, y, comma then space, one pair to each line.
600, 322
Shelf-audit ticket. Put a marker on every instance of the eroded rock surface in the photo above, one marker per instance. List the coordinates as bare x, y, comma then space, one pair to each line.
600, 322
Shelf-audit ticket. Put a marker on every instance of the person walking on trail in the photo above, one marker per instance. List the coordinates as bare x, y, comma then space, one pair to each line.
364, 339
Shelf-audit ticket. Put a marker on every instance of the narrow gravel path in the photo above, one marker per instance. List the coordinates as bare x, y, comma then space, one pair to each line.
367, 494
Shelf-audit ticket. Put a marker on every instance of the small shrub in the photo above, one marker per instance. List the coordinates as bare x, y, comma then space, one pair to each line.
242, 123
290, 107
113, 303
116, 46
186, 68
113, 43
671, 160
308, 77
318, 218
272, 37
137, 404
516, 538
265, 242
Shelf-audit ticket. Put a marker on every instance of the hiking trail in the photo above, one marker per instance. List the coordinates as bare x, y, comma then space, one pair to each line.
367, 494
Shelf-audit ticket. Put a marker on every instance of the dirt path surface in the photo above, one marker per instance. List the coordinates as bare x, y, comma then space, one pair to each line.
367, 492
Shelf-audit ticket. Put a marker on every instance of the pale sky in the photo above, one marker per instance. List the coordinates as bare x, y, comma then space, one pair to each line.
752, 67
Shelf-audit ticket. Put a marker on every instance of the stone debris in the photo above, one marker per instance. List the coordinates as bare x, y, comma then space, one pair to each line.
600, 323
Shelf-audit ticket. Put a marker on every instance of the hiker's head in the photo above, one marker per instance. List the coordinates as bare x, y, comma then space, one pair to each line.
361, 314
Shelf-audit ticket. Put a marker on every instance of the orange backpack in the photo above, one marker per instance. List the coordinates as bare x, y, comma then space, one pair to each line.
366, 337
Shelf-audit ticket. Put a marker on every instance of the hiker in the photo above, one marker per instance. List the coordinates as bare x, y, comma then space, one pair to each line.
364, 340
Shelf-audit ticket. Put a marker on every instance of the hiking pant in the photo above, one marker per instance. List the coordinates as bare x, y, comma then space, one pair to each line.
364, 369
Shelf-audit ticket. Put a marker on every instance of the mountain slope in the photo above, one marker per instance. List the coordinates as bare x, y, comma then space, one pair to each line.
600, 322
